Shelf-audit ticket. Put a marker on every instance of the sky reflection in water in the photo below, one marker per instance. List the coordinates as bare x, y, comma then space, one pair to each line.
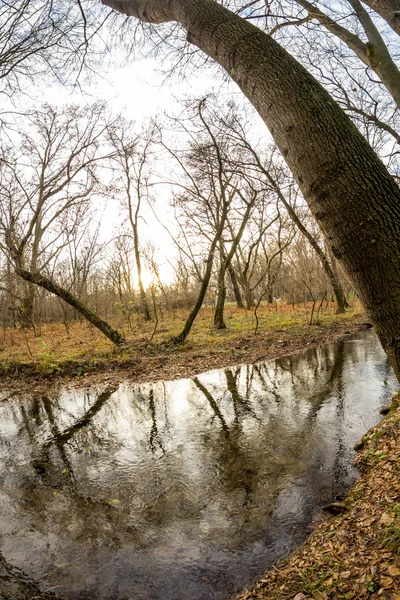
185, 489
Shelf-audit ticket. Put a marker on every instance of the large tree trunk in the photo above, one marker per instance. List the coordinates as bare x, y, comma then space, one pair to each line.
248, 295
65, 295
28, 306
349, 191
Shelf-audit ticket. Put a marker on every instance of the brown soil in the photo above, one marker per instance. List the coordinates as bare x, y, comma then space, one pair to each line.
165, 361
356, 555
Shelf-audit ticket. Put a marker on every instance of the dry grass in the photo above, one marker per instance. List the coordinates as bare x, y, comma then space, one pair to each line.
56, 348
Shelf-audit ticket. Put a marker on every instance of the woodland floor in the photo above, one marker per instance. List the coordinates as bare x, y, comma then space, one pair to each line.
83, 355
355, 555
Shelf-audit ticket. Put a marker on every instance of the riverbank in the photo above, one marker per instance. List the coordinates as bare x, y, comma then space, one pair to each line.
355, 555
83, 357
352, 556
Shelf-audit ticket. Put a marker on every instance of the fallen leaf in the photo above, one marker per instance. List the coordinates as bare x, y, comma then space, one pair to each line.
386, 519
386, 582
393, 571
114, 502
345, 574
320, 595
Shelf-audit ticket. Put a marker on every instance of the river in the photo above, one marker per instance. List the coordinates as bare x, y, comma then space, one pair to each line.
185, 489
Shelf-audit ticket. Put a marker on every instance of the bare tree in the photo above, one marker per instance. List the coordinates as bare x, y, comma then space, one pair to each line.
207, 195
42, 40
373, 52
44, 192
133, 153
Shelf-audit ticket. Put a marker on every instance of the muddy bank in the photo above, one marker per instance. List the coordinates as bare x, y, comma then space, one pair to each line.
355, 555
147, 363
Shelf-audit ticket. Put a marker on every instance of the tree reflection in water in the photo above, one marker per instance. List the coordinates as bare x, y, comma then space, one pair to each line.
183, 489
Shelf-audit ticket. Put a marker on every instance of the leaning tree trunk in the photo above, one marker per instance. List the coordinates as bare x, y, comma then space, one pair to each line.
349, 190
65, 295
341, 302
179, 339
206, 280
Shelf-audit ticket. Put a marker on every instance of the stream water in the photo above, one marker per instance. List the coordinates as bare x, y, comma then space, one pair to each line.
182, 489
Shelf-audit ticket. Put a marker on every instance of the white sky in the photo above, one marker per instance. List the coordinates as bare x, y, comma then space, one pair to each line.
139, 91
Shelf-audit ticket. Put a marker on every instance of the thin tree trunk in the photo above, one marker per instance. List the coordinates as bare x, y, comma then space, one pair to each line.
62, 293
235, 286
341, 302
142, 293
374, 53
388, 10
179, 339
226, 260
350, 192
338, 292
206, 279
219, 322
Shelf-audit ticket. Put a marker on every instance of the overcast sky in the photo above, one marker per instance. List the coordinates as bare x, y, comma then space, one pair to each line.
139, 91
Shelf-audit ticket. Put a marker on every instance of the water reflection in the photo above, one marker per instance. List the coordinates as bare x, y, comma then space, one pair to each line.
183, 489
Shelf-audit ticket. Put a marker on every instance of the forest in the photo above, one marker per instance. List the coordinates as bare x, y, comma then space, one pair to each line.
83, 187
196, 184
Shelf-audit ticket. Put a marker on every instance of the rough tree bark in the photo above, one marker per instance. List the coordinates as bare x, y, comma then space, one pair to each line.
388, 10
65, 295
350, 192
27, 308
